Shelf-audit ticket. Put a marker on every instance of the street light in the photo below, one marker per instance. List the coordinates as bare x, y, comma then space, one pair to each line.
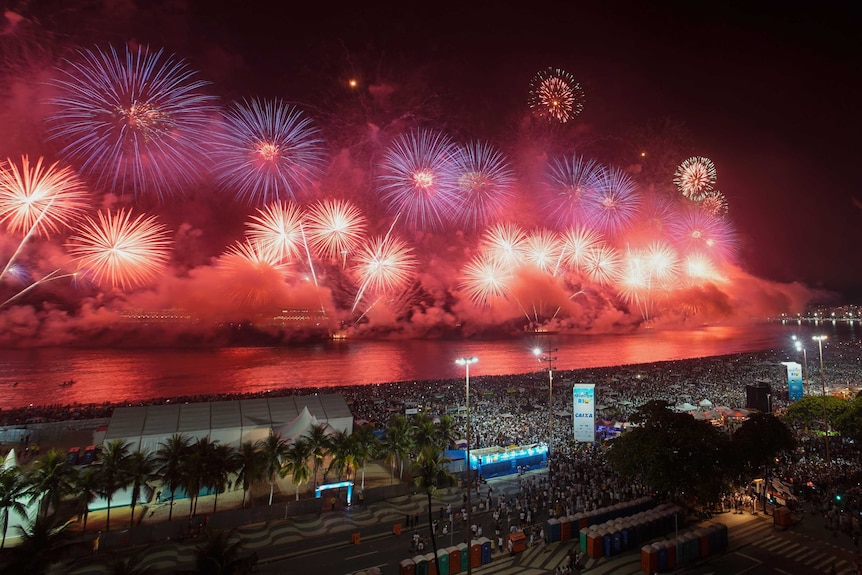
819, 339
799, 347
466, 362
547, 355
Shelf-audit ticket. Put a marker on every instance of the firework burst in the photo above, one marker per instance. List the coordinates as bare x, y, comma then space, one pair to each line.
417, 179
120, 250
40, 198
505, 243
278, 228
252, 270
485, 184
603, 265
614, 206
715, 203
486, 278
578, 243
697, 230
542, 249
134, 120
335, 228
572, 184
555, 96
695, 177
383, 264
269, 151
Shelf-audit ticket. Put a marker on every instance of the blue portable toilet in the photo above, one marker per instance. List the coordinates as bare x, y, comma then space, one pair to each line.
486, 550
554, 530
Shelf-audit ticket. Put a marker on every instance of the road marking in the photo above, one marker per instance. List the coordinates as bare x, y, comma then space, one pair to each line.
361, 555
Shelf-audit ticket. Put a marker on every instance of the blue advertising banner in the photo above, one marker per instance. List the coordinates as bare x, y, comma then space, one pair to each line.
584, 412
794, 380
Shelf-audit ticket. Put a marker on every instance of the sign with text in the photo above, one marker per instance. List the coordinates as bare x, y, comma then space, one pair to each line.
794, 380
584, 412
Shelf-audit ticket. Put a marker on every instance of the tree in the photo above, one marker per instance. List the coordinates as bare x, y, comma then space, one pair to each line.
342, 447
222, 464
249, 467
424, 432
759, 440
673, 453
42, 548
196, 470
169, 458
397, 443
319, 441
13, 488
430, 473
296, 463
446, 431
221, 554
85, 485
113, 472
364, 446
49, 480
809, 409
272, 452
141, 467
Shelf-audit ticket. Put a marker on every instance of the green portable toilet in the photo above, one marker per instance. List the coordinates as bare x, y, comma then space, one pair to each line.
443, 560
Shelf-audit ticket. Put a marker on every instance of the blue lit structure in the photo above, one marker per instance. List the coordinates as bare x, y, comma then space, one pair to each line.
348, 484
498, 461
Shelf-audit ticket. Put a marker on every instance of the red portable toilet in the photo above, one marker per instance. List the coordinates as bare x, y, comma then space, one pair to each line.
649, 559
565, 529
454, 560
407, 567
431, 562
475, 553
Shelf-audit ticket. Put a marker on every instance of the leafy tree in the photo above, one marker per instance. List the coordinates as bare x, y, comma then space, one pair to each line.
809, 409
673, 453
364, 446
343, 449
759, 440
272, 452
319, 440
296, 463
50, 480
849, 422
169, 458
13, 488
85, 485
221, 554
43, 548
430, 473
397, 443
249, 467
446, 431
113, 472
141, 467
424, 432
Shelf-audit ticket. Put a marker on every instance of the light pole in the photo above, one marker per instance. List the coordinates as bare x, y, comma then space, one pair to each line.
547, 355
466, 362
819, 339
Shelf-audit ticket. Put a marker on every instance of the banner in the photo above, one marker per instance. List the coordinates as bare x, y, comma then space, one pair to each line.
584, 412
794, 380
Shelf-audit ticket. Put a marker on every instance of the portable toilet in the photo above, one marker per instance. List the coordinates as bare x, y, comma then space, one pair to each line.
582, 538
565, 528
649, 559
464, 556
486, 550
431, 562
454, 560
594, 543
475, 553
73, 455
443, 560
89, 455
407, 567
421, 565
553, 530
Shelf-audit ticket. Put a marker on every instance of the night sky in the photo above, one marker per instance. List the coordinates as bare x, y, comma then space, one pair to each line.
768, 91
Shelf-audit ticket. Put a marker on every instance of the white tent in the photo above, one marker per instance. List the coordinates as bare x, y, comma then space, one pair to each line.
296, 428
11, 460
705, 403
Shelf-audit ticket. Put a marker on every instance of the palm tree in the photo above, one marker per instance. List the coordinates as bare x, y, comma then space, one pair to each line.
13, 488
85, 485
272, 452
141, 467
342, 447
42, 548
364, 445
397, 443
221, 554
49, 480
319, 440
196, 470
113, 472
296, 462
248, 466
222, 465
446, 431
423, 431
169, 458
431, 473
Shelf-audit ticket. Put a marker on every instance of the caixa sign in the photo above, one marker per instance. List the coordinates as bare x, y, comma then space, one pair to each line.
589, 415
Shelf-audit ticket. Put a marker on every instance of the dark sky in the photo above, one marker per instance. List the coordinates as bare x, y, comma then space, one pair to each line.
768, 90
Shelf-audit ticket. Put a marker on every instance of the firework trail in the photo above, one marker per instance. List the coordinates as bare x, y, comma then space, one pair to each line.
120, 250
48, 278
417, 179
695, 177
572, 184
335, 228
555, 95
26, 194
268, 151
135, 120
485, 183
